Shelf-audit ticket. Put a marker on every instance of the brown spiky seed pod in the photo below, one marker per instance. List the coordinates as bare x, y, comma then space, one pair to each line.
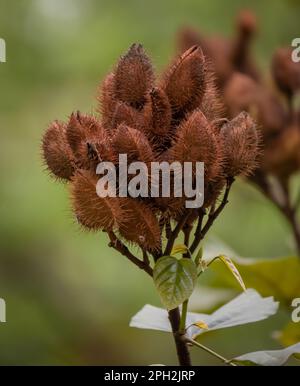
282, 153
92, 211
56, 151
140, 224
133, 77
133, 143
107, 101
242, 93
88, 140
157, 120
188, 37
212, 104
241, 143
128, 115
286, 72
196, 141
241, 53
158, 112
246, 22
185, 81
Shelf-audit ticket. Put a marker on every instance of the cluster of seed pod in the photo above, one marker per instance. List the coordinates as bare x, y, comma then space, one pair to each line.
276, 114
227, 55
245, 89
177, 117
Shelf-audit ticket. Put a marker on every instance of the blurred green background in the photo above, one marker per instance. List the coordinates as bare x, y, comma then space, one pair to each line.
69, 297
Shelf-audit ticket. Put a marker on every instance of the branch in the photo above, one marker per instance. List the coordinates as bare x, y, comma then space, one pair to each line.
210, 351
174, 315
187, 228
213, 214
175, 233
120, 247
169, 228
285, 207
180, 340
146, 258
290, 214
197, 235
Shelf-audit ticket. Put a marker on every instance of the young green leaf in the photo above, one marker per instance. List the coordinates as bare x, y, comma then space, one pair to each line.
179, 248
174, 280
232, 268
201, 325
276, 276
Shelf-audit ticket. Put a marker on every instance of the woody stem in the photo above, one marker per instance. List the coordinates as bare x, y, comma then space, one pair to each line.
174, 315
120, 247
290, 214
286, 208
182, 349
212, 216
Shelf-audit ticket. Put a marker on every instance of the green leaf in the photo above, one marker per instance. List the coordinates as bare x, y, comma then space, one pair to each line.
233, 269
179, 248
174, 280
200, 324
278, 277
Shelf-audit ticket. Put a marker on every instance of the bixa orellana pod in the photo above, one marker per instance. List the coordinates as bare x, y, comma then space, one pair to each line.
175, 117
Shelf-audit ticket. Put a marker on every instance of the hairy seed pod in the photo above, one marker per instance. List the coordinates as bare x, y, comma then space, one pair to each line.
157, 126
282, 153
87, 138
140, 224
189, 37
107, 100
244, 94
56, 151
241, 55
158, 112
212, 105
185, 81
240, 93
92, 211
241, 145
196, 141
286, 72
128, 115
217, 51
133, 77
133, 143
171, 207
246, 22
